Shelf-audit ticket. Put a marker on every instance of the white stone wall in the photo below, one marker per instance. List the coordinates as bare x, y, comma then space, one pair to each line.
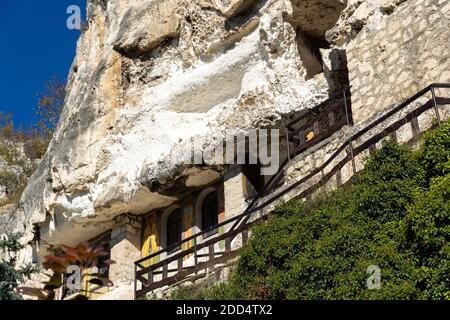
234, 192
125, 250
396, 54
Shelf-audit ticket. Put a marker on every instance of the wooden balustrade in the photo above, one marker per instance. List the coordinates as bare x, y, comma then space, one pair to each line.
176, 266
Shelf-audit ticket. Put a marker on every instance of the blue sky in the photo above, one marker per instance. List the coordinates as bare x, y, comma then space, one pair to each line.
35, 45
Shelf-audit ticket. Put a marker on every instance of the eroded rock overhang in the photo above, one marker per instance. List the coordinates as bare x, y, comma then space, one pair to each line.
151, 75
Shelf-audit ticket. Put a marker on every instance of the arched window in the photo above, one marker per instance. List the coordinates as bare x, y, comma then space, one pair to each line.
210, 212
174, 228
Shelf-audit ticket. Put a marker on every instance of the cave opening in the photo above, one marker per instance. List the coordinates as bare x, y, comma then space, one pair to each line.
309, 49
312, 20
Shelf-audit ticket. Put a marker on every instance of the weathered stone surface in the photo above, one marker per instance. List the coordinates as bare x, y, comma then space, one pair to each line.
315, 17
137, 96
6, 217
230, 8
394, 49
125, 250
335, 68
158, 20
145, 81
17, 162
356, 15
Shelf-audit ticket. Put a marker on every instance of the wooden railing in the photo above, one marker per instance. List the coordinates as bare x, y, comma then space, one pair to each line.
320, 122
336, 111
162, 268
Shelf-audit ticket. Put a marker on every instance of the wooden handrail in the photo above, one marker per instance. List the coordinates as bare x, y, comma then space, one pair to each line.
352, 138
320, 105
251, 209
357, 151
190, 250
294, 132
168, 249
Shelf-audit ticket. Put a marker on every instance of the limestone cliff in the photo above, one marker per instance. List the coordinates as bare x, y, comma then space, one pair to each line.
150, 75
18, 160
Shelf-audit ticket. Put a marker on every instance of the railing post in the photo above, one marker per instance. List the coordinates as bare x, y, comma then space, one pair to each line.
165, 271
393, 136
244, 237
288, 145
211, 254
331, 119
180, 265
135, 282
227, 245
372, 148
436, 108
339, 177
322, 178
415, 128
346, 109
150, 278
195, 240
195, 255
350, 146
316, 128
302, 137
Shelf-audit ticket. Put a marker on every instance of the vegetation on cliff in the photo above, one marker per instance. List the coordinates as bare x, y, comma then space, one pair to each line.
395, 215
10, 275
20, 147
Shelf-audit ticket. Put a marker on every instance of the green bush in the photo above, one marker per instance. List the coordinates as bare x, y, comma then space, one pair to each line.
14, 185
11, 276
323, 252
394, 215
10, 153
435, 152
20, 165
428, 223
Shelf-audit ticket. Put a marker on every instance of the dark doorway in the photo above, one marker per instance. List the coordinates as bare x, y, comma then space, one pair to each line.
210, 213
254, 181
174, 229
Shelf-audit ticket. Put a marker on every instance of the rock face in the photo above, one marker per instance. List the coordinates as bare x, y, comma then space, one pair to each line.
17, 162
394, 48
149, 76
160, 20
316, 17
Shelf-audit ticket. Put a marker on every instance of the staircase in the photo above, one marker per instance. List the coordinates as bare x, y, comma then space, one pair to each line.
164, 268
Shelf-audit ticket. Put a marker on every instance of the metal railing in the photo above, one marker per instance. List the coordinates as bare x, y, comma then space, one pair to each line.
198, 257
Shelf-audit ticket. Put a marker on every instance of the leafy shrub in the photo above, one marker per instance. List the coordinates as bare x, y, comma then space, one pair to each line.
392, 178
50, 106
394, 215
14, 185
34, 140
11, 276
83, 256
428, 223
214, 292
10, 153
435, 152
